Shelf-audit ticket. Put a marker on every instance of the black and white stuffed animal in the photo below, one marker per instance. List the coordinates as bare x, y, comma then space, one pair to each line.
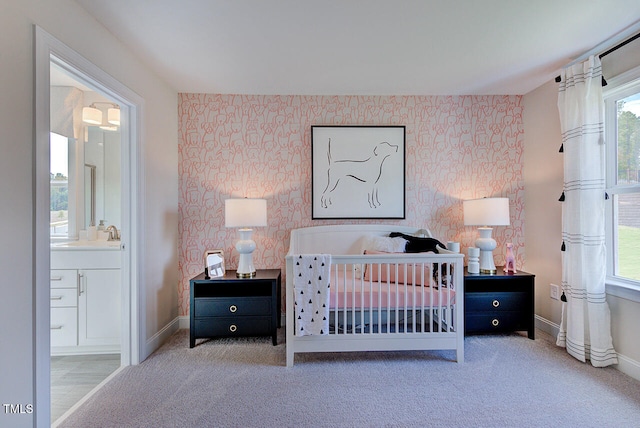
419, 245
422, 245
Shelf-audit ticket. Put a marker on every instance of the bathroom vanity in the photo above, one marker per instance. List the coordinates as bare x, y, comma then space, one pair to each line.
85, 297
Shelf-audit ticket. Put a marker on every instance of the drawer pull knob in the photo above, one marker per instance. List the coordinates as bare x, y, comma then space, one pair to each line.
56, 327
495, 322
233, 328
233, 308
56, 297
495, 303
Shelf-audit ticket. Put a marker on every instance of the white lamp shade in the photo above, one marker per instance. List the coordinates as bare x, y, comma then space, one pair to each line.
486, 212
92, 116
113, 116
245, 212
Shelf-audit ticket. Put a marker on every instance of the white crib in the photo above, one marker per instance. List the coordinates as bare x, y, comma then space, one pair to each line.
379, 302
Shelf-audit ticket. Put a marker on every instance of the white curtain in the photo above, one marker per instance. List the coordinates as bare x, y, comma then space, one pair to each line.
66, 111
585, 328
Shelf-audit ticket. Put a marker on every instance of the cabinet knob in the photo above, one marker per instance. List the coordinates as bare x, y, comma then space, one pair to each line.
495, 303
233, 328
233, 308
495, 322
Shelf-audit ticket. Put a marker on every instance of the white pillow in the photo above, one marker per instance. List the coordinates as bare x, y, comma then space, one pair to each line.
380, 243
385, 244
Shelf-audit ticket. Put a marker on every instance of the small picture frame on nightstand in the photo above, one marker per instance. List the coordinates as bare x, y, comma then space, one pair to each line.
214, 264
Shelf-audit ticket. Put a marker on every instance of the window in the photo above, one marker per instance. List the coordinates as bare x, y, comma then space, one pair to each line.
59, 185
622, 128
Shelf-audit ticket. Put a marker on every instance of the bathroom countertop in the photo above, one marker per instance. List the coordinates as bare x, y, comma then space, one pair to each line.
87, 245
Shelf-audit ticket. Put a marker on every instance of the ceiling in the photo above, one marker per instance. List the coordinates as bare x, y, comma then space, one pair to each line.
361, 47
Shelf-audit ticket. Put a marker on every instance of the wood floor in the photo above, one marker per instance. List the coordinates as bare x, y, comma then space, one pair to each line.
72, 377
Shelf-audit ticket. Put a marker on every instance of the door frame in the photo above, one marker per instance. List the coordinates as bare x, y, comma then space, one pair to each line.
49, 49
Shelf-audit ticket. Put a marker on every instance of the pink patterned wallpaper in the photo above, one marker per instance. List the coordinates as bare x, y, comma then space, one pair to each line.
457, 147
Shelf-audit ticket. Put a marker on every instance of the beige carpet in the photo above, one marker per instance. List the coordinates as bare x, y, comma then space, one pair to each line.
506, 381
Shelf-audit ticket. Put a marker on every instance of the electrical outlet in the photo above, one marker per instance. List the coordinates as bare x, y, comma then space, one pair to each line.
554, 292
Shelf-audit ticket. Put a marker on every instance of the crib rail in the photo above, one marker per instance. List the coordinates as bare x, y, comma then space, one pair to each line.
378, 295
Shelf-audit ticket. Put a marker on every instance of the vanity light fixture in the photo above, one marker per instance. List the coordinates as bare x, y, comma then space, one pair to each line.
93, 115
245, 213
486, 212
113, 116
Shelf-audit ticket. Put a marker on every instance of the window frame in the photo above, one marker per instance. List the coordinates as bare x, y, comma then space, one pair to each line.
618, 87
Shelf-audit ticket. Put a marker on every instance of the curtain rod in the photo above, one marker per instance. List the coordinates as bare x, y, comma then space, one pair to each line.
618, 46
607, 52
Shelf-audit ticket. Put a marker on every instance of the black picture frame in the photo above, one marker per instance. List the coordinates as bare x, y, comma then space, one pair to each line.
358, 172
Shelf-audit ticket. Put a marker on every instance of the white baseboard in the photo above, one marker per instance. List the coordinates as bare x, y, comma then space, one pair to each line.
547, 326
160, 337
185, 322
84, 350
628, 366
625, 364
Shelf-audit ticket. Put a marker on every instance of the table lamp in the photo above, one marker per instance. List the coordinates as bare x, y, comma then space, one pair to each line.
243, 214
486, 212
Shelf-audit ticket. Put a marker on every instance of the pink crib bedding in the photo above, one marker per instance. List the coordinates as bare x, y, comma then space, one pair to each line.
350, 291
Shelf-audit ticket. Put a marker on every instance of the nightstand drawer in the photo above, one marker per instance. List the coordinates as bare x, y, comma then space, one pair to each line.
495, 321
232, 306
233, 326
495, 301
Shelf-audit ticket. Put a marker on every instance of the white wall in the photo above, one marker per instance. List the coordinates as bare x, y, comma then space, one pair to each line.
16, 141
543, 175
68, 22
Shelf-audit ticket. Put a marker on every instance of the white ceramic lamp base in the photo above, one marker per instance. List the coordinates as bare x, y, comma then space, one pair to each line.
486, 244
245, 247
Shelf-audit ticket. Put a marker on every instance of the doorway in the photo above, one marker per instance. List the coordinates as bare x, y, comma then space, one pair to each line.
50, 52
85, 222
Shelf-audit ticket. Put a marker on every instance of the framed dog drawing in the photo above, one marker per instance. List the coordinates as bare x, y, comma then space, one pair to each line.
358, 172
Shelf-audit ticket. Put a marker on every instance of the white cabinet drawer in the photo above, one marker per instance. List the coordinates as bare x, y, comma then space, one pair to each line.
64, 297
64, 278
64, 327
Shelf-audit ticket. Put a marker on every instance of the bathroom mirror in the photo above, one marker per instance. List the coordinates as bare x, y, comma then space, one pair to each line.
102, 149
